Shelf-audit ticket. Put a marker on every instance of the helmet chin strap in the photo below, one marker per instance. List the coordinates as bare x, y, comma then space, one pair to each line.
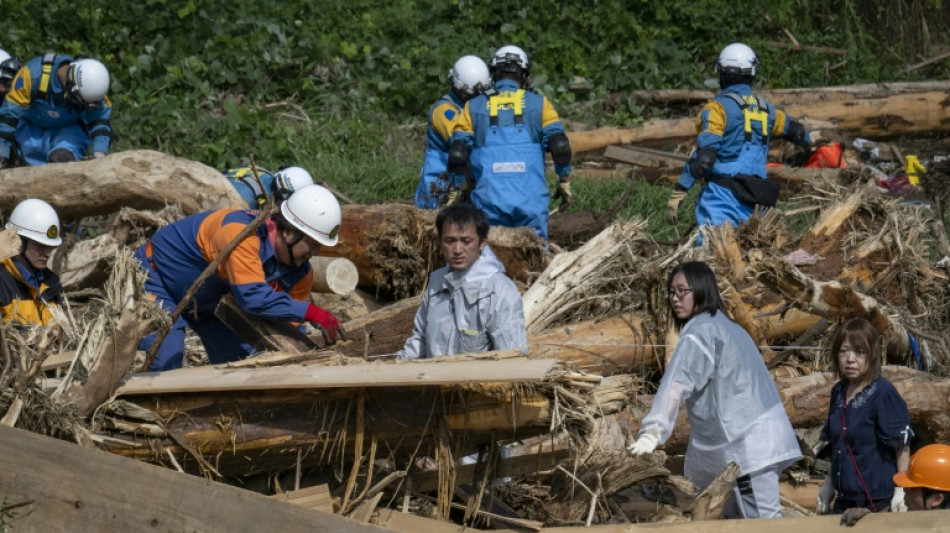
298, 236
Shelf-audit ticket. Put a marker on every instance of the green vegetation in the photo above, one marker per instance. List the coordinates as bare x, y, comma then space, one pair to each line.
342, 88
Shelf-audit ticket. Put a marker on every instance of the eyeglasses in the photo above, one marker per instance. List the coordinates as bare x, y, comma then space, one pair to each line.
679, 293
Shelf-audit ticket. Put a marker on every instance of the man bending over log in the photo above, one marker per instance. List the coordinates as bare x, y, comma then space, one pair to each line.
268, 272
470, 305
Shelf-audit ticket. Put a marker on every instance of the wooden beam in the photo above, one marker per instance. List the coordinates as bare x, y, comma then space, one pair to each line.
415, 373
75, 489
911, 522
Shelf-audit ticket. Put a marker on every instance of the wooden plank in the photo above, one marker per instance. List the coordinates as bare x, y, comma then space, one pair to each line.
912, 522
317, 497
646, 157
58, 360
409, 523
416, 373
75, 489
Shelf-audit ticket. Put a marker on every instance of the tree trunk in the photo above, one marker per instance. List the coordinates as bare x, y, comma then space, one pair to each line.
140, 179
334, 275
832, 300
395, 247
874, 118
785, 97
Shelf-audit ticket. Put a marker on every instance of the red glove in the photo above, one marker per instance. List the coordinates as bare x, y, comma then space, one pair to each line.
324, 320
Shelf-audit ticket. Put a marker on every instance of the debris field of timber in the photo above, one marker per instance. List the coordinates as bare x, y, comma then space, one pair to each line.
488, 440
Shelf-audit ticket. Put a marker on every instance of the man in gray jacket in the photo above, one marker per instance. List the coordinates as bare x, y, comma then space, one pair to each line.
470, 305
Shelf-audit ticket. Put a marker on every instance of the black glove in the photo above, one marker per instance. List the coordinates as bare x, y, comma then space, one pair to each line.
4, 162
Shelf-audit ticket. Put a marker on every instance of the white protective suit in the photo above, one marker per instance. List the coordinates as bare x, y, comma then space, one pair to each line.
735, 412
473, 310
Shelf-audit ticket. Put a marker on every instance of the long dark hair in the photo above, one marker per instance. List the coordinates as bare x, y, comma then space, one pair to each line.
702, 281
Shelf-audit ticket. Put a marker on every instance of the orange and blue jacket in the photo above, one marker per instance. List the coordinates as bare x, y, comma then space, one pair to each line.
262, 286
25, 297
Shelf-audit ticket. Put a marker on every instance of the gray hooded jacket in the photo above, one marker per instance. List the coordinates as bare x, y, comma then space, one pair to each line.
473, 310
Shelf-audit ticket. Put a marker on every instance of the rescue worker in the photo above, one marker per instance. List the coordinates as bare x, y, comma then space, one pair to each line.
505, 132
468, 77
278, 186
927, 482
9, 66
470, 305
27, 287
268, 273
735, 129
56, 110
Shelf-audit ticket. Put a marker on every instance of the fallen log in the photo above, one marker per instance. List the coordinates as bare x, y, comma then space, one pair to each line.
832, 300
334, 275
806, 400
64, 487
395, 247
140, 179
875, 118
603, 347
797, 96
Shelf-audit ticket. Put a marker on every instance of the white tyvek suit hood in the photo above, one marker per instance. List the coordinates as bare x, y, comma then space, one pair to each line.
472, 310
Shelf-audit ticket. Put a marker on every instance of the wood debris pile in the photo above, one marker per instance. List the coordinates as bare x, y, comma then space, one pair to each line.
487, 440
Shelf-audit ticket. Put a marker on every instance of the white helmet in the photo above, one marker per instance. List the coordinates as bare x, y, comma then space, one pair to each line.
469, 76
511, 55
9, 66
87, 82
287, 180
36, 220
737, 58
316, 212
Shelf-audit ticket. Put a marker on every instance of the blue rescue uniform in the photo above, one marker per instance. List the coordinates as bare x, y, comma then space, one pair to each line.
443, 115
877, 425
262, 286
739, 126
243, 181
508, 130
36, 115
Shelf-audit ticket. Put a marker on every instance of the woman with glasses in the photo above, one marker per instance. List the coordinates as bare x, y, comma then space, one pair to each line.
735, 413
868, 427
